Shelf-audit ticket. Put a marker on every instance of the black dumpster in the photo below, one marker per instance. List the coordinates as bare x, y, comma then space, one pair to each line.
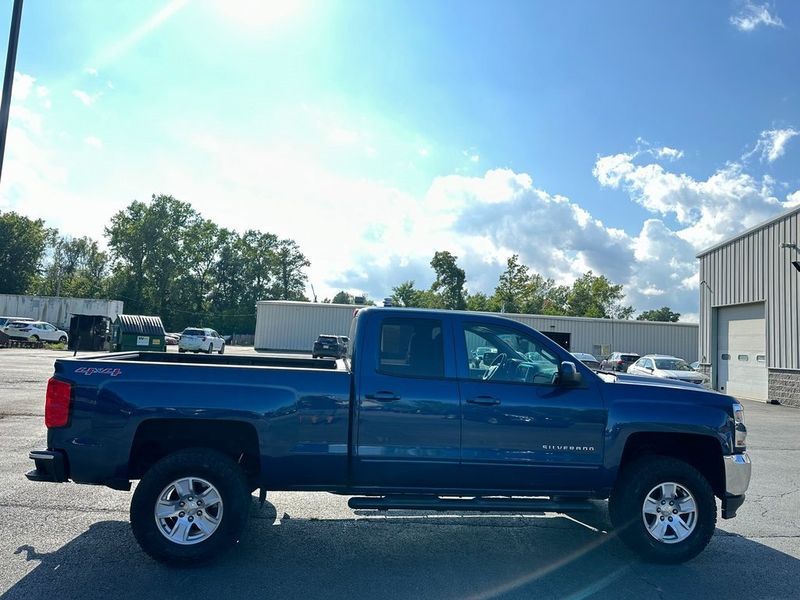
138, 332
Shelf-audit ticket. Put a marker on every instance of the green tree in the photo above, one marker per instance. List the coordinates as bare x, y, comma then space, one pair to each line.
22, 245
342, 297
595, 296
660, 314
480, 302
407, 295
511, 293
291, 280
450, 279
76, 267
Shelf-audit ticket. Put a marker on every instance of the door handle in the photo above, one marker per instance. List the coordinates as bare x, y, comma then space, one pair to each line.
383, 396
484, 400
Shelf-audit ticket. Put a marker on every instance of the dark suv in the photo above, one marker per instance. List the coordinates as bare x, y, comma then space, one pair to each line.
329, 345
619, 361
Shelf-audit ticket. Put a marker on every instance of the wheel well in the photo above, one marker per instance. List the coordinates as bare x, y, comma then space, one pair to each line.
157, 438
704, 453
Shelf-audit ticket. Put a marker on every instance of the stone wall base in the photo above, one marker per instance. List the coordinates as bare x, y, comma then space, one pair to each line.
784, 387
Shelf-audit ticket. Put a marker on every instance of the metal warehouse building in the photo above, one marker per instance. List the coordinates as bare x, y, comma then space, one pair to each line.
57, 310
749, 314
283, 325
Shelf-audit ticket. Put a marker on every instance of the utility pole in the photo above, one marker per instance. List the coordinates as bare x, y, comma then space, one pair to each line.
8, 80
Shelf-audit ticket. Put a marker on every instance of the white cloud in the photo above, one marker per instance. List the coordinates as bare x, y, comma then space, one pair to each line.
90, 71
668, 153
93, 141
771, 144
22, 86
792, 200
474, 158
752, 15
423, 152
86, 98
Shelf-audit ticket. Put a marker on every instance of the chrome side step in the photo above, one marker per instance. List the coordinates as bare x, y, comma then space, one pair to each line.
478, 503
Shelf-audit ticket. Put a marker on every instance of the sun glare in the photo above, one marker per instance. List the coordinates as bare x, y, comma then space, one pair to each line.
258, 14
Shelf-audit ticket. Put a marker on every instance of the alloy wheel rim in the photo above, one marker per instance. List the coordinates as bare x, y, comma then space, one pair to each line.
188, 511
669, 512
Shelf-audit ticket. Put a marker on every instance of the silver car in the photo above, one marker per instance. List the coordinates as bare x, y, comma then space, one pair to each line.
667, 367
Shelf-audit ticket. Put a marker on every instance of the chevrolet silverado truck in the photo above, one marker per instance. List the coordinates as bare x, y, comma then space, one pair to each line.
405, 421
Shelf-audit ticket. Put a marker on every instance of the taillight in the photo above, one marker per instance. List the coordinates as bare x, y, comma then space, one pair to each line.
56, 406
619, 362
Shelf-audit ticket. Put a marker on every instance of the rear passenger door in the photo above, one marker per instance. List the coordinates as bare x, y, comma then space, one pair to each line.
407, 413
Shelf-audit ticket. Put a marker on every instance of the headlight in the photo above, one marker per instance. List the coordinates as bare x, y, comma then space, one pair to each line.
740, 435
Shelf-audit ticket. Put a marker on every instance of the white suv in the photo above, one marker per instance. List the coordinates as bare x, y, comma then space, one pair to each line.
196, 339
35, 331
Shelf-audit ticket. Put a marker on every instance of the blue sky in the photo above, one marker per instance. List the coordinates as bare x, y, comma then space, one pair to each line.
617, 136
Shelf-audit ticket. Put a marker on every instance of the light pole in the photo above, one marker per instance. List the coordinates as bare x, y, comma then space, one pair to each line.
8, 80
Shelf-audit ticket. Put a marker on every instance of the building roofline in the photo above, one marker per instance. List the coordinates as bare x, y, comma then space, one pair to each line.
475, 312
746, 232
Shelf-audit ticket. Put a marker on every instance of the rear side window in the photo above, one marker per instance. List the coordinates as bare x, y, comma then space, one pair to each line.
412, 348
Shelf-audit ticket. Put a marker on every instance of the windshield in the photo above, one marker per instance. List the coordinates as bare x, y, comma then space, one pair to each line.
672, 364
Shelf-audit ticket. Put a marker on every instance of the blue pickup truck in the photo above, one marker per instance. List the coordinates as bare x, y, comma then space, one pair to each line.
407, 420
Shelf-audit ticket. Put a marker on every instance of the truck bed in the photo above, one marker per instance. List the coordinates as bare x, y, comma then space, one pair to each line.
220, 359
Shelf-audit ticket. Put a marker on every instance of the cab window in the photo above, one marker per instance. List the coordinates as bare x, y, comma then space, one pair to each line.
507, 355
411, 348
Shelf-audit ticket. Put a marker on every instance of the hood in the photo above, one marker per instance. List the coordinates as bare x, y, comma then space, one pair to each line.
649, 380
691, 375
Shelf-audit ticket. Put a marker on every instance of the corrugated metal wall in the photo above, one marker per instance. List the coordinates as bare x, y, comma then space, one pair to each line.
295, 326
57, 310
754, 268
284, 325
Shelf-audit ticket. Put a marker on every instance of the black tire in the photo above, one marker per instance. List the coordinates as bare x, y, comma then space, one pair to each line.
62, 340
216, 468
181, 350
222, 349
627, 500
210, 348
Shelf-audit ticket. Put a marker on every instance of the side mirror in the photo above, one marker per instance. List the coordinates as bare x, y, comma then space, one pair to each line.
568, 373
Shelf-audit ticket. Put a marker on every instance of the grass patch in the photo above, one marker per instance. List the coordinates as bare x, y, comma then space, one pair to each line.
56, 346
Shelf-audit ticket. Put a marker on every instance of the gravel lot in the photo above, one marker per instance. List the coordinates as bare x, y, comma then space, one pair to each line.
68, 541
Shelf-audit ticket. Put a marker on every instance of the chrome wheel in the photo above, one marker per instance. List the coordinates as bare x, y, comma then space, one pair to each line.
188, 511
669, 512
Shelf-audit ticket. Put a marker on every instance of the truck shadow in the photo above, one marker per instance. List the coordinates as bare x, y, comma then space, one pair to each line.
404, 557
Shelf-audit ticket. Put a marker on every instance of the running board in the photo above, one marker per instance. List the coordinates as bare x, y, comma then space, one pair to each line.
481, 504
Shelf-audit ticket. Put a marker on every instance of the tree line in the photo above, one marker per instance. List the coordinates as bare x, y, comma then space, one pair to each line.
163, 259
518, 290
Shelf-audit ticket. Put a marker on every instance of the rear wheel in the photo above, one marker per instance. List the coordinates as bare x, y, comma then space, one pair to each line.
190, 507
664, 509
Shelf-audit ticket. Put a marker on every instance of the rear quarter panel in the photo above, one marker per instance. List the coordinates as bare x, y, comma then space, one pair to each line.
300, 415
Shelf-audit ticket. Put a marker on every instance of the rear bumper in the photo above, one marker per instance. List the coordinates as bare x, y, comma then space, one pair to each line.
51, 466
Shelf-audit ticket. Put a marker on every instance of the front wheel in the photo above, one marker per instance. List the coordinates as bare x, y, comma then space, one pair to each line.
190, 507
62, 340
222, 349
664, 509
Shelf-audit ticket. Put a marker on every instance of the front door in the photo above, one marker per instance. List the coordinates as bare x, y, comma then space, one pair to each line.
408, 412
521, 429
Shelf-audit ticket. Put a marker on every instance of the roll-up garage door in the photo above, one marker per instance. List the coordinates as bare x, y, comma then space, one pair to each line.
742, 351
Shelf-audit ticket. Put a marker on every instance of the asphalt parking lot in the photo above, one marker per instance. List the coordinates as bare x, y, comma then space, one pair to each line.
69, 541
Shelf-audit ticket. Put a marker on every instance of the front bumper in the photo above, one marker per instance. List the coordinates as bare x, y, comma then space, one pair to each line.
51, 466
737, 479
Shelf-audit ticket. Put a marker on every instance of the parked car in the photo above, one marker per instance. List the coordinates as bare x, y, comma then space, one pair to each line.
6, 320
668, 367
695, 365
197, 339
172, 339
479, 354
588, 359
407, 425
329, 345
36, 331
619, 361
